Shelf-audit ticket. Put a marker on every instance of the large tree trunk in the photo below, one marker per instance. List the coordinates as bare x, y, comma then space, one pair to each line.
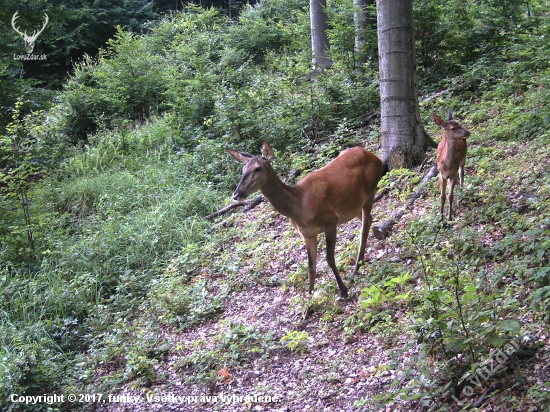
319, 38
361, 19
403, 136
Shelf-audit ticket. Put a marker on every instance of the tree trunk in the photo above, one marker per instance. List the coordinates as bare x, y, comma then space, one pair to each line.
319, 38
361, 19
403, 136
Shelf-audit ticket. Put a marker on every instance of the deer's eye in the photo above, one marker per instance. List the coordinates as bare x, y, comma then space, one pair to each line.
258, 169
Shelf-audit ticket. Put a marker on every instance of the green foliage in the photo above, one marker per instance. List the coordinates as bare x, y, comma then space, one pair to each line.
116, 215
20, 160
30, 360
296, 341
376, 295
125, 82
237, 345
453, 35
139, 368
184, 300
134, 149
461, 312
364, 321
75, 29
244, 82
403, 180
269, 27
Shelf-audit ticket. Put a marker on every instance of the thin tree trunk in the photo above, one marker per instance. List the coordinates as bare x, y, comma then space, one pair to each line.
361, 19
403, 136
319, 38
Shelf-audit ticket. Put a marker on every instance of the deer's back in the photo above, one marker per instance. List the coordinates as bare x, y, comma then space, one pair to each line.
341, 188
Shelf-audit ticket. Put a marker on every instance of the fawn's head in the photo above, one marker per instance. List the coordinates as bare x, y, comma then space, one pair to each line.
450, 127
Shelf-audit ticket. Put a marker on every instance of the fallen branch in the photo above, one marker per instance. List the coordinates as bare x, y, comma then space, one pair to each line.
365, 121
483, 398
426, 160
248, 205
253, 203
439, 94
429, 141
381, 232
381, 194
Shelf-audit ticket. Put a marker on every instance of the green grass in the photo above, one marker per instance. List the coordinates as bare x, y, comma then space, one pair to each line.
107, 225
124, 253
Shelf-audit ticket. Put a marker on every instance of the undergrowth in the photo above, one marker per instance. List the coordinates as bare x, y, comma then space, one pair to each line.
106, 255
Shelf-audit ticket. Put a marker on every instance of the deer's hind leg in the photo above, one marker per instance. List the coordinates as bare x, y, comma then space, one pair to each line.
443, 196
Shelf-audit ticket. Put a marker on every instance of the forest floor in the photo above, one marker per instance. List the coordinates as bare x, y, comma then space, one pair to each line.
241, 361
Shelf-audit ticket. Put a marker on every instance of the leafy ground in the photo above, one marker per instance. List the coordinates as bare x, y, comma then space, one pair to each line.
113, 282
355, 354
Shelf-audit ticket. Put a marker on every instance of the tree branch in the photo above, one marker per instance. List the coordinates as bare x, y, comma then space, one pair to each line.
381, 232
439, 94
381, 194
248, 205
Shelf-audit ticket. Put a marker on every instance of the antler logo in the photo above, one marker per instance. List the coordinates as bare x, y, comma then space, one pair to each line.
29, 40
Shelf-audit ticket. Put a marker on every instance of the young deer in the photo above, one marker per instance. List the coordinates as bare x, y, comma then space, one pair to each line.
326, 198
451, 156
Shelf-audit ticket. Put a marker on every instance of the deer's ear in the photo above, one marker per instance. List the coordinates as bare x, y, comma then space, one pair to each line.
438, 120
449, 114
267, 151
240, 157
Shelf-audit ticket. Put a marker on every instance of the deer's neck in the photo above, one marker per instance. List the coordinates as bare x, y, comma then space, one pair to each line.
450, 143
282, 197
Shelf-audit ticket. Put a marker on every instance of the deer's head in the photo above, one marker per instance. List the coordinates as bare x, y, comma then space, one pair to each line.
255, 171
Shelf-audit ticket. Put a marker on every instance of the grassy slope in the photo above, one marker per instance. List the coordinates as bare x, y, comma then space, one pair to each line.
160, 302
250, 278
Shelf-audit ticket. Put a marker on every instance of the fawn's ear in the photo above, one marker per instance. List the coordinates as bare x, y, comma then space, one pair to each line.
240, 157
267, 151
449, 114
438, 120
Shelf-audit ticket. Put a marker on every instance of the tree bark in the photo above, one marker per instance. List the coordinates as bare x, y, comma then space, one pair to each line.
403, 136
319, 39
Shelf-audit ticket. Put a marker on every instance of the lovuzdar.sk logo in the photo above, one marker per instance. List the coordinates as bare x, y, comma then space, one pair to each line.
29, 40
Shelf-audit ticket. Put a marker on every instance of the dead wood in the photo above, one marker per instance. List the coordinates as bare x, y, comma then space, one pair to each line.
367, 120
439, 94
423, 164
381, 194
248, 205
429, 141
381, 232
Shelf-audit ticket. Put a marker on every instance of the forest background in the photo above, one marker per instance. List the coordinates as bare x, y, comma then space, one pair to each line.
112, 154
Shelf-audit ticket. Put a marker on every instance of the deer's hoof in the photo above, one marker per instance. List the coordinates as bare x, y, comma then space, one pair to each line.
344, 293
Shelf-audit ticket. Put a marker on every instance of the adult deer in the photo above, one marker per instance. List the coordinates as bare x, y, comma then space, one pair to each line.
451, 156
326, 198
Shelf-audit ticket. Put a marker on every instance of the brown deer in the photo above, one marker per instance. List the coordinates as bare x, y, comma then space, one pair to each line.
451, 156
324, 199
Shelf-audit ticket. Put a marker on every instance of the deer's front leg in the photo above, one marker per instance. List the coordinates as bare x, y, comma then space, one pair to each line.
311, 246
